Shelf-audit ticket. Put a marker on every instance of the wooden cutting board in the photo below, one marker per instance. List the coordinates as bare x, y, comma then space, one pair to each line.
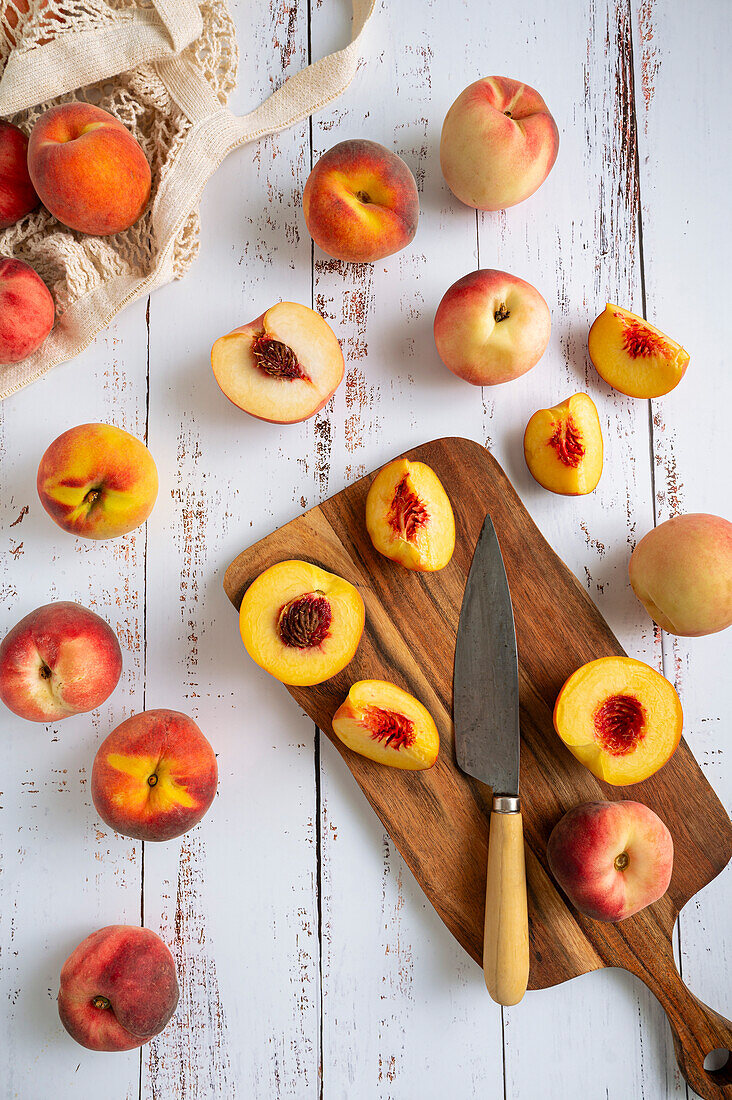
439, 818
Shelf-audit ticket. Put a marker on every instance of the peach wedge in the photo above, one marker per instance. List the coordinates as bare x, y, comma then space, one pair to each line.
563, 446
409, 517
633, 356
381, 721
300, 623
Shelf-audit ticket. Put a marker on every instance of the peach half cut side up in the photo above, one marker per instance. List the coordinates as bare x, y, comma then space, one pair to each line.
563, 446
387, 724
409, 517
300, 623
620, 718
633, 356
283, 367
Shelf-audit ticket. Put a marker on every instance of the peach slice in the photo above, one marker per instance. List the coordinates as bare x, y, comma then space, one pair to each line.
283, 367
381, 721
633, 356
620, 718
563, 446
409, 517
301, 624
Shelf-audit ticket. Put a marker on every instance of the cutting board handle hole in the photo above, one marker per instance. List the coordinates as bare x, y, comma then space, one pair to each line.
717, 1063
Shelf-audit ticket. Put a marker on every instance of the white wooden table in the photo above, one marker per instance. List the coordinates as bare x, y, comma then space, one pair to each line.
310, 962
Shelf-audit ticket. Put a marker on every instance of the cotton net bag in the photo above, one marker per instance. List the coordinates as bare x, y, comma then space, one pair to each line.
165, 68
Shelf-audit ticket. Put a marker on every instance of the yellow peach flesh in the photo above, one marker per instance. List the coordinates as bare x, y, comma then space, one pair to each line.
633, 356
388, 725
563, 446
409, 517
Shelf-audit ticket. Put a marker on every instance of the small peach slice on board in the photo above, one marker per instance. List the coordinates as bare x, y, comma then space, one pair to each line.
283, 367
381, 721
301, 624
409, 517
563, 446
633, 356
620, 718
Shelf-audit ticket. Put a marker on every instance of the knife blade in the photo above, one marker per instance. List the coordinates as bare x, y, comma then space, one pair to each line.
487, 746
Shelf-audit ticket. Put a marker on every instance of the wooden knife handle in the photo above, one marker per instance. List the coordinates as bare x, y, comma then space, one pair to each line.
506, 932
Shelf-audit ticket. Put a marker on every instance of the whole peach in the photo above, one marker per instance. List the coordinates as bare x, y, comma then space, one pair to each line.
97, 481
611, 858
118, 988
499, 143
17, 194
681, 571
88, 169
27, 311
360, 202
59, 660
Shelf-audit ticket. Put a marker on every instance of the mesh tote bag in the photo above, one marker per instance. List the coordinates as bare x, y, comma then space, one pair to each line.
165, 69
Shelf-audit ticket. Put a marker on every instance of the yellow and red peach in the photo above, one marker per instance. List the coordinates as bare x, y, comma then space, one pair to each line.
17, 194
118, 988
491, 327
360, 202
283, 367
499, 143
27, 311
563, 446
409, 517
385, 723
300, 623
681, 571
612, 859
154, 776
620, 718
88, 169
634, 357
59, 660
97, 481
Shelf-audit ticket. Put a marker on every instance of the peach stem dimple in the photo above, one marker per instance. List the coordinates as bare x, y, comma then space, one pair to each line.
152, 780
621, 862
620, 724
101, 1002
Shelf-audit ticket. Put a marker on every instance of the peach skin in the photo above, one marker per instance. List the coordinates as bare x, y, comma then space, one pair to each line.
563, 446
634, 357
409, 517
17, 194
388, 725
27, 311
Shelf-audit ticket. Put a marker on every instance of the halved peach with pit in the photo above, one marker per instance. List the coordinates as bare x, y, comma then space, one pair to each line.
300, 623
563, 446
620, 718
283, 367
409, 517
387, 724
633, 356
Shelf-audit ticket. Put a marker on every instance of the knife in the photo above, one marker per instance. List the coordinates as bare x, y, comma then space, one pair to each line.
487, 745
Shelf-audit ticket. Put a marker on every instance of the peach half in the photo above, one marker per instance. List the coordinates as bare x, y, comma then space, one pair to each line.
633, 356
563, 446
381, 721
620, 718
283, 367
409, 517
300, 623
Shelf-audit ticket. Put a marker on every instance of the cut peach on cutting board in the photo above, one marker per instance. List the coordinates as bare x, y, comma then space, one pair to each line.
409, 517
633, 356
300, 623
620, 718
387, 724
283, 367
563, 446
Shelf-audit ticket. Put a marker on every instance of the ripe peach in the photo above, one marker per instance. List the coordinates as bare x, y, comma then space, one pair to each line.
499, 143
620, 718
97, 481
681, 571
612, 859
154, 776
59, 660
301, 624
491, 327
17, 194
360, 202
381, 721
634, 357
409, 517
118, 988
283, 367
563, 446
88, 169
27, 311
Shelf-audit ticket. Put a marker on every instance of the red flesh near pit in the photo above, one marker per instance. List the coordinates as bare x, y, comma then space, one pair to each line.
620, 724
304, 622
567, 442
395, 730
407, 513
639, 341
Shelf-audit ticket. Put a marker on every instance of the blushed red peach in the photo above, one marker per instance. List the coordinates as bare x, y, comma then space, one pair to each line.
563, 446
27, 311
17, 194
